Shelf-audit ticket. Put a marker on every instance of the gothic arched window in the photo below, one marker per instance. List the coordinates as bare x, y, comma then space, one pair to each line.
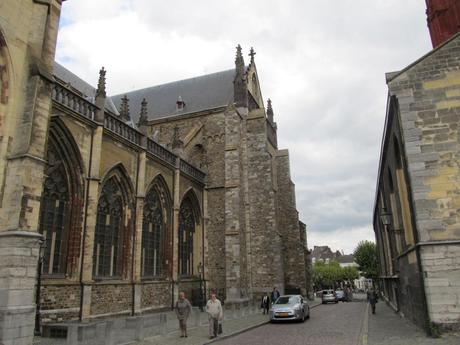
186, 230
153, 236
108, 241
55, 213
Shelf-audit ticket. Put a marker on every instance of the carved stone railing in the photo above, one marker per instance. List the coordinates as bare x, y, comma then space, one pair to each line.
192, 171
271, 134
73, 101
161, 152
68, 98
122, 129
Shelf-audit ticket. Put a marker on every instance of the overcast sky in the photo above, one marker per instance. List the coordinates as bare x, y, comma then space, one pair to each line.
322, 62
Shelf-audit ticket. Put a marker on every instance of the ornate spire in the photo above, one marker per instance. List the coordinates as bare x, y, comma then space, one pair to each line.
239, 61
143, 115
124, 109
101, 83
240, 85
269, 110
252, 53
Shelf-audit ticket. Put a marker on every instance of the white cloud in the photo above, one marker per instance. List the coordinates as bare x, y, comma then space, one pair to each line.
345, 239
322, 62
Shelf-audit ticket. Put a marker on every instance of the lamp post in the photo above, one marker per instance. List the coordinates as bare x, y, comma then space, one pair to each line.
200, 272
385, 216
41, 254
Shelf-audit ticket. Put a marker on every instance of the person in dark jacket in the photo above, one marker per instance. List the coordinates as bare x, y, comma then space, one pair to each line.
372, 299
265, 303
275, 294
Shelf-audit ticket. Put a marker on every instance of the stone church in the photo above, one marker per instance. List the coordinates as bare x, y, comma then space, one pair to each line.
112, 205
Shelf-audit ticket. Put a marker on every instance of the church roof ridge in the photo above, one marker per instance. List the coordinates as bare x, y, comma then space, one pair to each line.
208, 91
176, 81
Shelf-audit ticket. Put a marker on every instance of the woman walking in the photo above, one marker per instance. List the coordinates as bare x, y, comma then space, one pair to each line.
183, 310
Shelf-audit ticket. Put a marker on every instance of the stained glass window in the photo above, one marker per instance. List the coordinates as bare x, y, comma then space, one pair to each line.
108, 241
153, 236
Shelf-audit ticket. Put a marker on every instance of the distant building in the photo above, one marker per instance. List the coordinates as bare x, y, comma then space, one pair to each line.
347, 261
417, 204
324, 254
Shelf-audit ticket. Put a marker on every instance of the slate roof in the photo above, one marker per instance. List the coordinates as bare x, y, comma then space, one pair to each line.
348, 258
79, 84
199, 93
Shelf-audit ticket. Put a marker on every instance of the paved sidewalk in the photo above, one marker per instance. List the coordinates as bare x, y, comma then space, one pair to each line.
199, 335
385, 327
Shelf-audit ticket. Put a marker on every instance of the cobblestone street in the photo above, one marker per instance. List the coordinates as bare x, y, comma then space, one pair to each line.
342, 324
337, 324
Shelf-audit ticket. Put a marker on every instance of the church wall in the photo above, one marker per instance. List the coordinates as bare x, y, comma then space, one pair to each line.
288, 225
61, 296
156, 295
153, 169
113, 153
266, 249
207, 130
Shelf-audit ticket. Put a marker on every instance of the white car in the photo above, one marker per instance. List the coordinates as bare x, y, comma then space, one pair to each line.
290, 307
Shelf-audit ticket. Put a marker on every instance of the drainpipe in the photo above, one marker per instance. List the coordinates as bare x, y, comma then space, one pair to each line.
133, 307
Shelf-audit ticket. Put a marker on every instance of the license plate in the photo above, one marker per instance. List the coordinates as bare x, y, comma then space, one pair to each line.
283, 314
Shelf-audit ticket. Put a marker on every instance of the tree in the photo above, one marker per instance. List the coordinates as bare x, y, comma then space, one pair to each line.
330, 275
365, 256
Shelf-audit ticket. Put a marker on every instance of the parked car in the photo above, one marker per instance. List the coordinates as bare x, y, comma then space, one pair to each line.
290, 307
340, 294
328, 296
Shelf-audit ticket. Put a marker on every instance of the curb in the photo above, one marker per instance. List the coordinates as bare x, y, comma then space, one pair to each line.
247, 329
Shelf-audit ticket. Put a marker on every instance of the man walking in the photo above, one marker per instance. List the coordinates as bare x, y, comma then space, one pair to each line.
265, 304
275, 295
372, 299
215, 314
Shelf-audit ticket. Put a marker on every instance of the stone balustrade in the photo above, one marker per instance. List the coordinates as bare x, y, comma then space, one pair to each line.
70, 99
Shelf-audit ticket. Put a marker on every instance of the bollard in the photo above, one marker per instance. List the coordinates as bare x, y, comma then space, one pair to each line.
72, 335
139, 328
163, 324
196, 317
109, 338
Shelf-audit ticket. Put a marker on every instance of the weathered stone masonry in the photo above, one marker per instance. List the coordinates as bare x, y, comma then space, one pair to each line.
421, 153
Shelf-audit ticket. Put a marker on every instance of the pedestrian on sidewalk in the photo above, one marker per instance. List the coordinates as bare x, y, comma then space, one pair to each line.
183, 309
372, 299
275, 294
265, 304
215, 314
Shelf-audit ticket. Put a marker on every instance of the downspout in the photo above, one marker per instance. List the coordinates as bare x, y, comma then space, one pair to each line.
133, 307
203, 276
172, 240
88, 178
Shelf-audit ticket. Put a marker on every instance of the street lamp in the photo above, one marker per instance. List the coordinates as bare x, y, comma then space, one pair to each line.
41, 255
385, 216
200, 272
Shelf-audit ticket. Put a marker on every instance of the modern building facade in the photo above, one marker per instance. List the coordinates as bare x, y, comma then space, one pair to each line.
417, 205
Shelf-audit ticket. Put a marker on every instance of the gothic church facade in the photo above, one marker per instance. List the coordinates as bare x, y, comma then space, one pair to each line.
134, 197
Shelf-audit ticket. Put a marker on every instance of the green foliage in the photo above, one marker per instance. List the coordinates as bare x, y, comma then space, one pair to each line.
365, 256
329, 275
